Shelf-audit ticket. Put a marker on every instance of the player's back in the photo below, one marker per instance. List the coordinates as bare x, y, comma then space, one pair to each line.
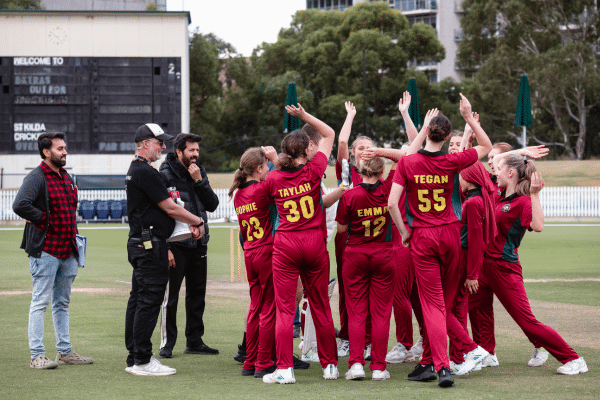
255, 214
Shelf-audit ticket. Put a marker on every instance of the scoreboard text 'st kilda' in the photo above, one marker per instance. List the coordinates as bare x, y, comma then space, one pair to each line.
98, 102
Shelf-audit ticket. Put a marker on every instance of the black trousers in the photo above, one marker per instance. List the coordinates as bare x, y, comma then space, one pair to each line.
190, 264
148, 285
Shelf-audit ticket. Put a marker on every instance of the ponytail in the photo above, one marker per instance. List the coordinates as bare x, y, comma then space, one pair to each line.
525, 168
251, 159
371, 168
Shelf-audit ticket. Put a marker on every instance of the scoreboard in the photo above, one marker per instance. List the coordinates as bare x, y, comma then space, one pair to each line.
99, 102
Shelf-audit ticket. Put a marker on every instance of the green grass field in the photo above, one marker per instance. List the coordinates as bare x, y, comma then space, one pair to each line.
98, 316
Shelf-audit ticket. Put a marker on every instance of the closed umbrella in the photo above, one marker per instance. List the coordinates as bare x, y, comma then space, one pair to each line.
413, 110
523, 115
291, 123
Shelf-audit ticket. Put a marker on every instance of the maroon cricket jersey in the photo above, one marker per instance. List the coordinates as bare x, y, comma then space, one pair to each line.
255, 214
297, 194
432, 189
513, 217
364, 209
471, 232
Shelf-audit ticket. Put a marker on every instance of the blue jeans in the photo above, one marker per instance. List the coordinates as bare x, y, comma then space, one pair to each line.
52, 278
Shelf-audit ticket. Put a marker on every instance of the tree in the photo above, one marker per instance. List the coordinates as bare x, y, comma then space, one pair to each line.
556, 43
21, 5
151, 6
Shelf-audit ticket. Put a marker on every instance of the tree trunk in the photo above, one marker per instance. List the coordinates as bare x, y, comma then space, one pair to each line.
564, 129
581, 109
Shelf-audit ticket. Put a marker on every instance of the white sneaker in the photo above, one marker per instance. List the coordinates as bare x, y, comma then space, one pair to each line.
454, 367
330, 372
311, 356
380, 375
368, 353
417, 349
343, 348
399, 354
282, 376
490, 361
538, 357
573, 367
301, 342
128, 369
153, 368
356, 371
472, 358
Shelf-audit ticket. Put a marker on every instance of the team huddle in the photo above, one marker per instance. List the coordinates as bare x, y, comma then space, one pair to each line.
438, 237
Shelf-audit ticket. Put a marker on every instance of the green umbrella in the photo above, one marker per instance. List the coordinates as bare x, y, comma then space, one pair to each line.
291, 123
413, 110
523, 115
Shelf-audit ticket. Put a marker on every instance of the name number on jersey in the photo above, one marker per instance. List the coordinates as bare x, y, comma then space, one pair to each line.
439, 203
307, 207
379, 223
253, 229
431, 178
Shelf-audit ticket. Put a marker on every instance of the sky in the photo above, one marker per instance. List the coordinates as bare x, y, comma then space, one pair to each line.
243, 23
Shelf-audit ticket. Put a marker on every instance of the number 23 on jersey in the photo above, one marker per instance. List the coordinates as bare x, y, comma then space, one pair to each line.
253, 229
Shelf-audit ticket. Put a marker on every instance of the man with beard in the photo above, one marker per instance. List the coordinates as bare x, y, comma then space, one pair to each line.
186, 179
151, 214
47, 199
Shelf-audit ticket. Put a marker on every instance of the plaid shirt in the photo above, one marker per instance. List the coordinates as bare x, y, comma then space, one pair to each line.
62, 223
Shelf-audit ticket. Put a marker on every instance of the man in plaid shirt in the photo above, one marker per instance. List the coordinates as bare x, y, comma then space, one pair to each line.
48, 201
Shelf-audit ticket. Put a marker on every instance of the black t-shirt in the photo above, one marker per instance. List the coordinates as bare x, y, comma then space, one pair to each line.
145, 189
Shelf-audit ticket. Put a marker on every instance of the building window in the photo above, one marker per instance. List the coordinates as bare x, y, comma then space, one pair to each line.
432, 77
411, 5
427, 19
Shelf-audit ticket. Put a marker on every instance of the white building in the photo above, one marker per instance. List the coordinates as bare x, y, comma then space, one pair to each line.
102, 5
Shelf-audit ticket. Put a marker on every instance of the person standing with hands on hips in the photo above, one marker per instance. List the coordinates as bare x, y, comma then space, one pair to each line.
186, 179
48, 201
152, 214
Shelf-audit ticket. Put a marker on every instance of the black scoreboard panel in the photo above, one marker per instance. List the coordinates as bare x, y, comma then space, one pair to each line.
98, 102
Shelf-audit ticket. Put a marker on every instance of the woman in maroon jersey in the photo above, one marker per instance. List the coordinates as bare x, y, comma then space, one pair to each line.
369, 266
254, 211
518, 210
478, 227
299, 246
433, 198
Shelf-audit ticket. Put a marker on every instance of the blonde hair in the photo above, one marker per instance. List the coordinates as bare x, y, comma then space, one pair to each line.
525, 168
371, 168
503, 147
251, 159
363, 137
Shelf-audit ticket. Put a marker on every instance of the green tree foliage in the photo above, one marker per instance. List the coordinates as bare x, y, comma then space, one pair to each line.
151, 6
556, 43
20, 5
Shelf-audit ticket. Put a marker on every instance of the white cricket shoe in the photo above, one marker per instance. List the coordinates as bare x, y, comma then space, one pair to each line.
490, 361
417, 349
311, 356
399, 354
573, 367
380, 375
330, 372
153, 368
356, 371
538, 357
283, 376
472, 359
454, 367
368, 353
343, 348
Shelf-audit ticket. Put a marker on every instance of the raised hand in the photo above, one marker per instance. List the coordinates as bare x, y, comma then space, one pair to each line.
350, 109
368, 154
537, 183
195, 172
431, 114
404, 102
270, 153
536, 151
465, 107
296, 111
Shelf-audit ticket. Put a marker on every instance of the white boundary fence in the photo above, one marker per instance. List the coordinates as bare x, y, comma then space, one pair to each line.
556, 201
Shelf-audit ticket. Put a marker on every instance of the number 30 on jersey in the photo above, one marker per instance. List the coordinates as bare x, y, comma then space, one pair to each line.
307, 207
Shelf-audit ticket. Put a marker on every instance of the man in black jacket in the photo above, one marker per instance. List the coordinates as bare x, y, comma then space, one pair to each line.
186, 179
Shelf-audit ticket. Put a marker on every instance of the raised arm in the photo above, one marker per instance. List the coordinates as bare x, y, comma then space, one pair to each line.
484, 145
328, 134
418, 142
391, 154
537, 215
271, 154
403, 106
468, 135
343, 153
531, 152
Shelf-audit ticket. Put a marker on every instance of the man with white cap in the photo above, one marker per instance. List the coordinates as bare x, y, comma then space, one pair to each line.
152, 214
